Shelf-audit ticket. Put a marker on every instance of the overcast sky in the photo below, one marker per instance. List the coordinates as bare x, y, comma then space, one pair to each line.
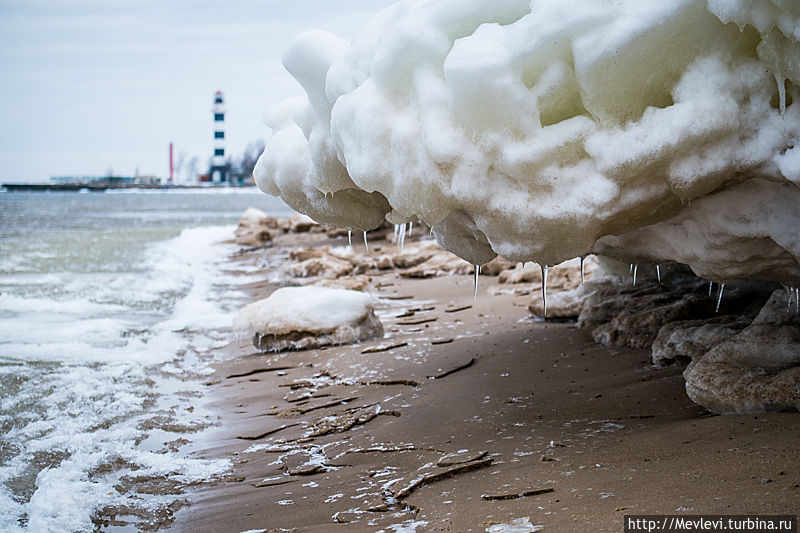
88, 86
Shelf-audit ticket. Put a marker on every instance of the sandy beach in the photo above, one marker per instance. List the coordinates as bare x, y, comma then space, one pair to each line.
400, 266
470, 414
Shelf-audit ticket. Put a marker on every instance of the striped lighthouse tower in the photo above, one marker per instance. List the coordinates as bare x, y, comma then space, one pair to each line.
220, 173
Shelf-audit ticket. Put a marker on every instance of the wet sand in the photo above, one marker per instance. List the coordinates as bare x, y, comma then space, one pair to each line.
468, 414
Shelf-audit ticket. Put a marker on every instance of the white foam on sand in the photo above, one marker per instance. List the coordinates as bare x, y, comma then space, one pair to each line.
90, 362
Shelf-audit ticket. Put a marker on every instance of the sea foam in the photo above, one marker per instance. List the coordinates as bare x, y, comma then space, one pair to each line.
93, 365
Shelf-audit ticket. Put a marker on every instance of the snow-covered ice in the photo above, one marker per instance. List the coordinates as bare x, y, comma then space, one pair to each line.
545, 130
305, 317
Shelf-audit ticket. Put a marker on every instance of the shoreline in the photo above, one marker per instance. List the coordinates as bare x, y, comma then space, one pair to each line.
526, 420
77, 187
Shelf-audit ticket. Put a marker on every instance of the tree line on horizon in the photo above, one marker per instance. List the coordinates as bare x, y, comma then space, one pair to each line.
188, 169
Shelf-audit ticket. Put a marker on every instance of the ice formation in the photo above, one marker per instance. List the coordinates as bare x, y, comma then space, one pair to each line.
754, 371
534, 129
306, 317
254, 228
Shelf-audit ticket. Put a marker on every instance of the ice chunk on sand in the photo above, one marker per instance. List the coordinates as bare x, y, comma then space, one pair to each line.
755, 371
531, 129
518, 525
254, 228
296, 318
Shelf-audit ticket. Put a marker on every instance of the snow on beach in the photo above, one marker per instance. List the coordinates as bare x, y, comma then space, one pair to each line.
537, 130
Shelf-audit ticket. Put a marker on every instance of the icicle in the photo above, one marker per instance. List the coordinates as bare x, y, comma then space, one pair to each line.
410, 227
635, 270
630, 268
402, 235
797, 299
781, 93
719, 295
658, 272
396, 233
582, 271
366, 246
710, 287
544, 288
350, 238
477, 273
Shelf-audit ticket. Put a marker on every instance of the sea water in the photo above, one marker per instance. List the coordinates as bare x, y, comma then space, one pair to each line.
110, 308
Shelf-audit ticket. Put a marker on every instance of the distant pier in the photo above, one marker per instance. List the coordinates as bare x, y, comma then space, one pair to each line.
97, 187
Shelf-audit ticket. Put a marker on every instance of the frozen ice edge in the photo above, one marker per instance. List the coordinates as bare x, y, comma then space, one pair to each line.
546, 155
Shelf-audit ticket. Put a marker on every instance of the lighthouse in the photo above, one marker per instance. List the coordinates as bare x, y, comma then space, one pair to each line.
220, 173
